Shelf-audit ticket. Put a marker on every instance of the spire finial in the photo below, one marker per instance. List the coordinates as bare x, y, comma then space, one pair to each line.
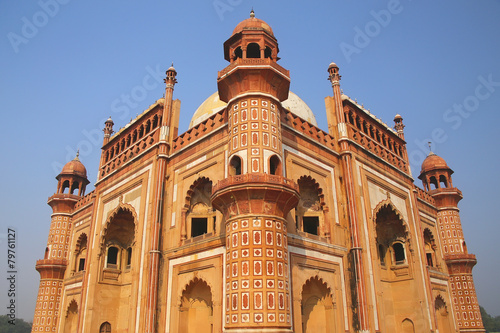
430, 148
77, 155
252, 13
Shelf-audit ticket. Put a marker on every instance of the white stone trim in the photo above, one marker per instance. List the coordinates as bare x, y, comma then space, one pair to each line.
196, 162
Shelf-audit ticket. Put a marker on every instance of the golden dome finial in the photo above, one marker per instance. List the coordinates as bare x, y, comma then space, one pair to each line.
252, 13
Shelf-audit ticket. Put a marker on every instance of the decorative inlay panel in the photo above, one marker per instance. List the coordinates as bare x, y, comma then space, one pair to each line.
257, 280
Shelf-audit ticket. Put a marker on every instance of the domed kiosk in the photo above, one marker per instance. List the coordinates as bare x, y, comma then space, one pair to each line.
73, 177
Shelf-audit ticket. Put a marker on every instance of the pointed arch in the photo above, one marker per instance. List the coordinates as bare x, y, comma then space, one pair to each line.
118, 235
196, 307
391, 232
196, 281
105, 327
81, 242
407, 326
80, 253
315, 279
120, 209
430, 247
387, 203
316, 186
198, 215
317, 306
196, 185
310, 212
71, 317
442, 315
72, 307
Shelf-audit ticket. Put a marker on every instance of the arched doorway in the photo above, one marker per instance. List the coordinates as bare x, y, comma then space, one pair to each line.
407, 326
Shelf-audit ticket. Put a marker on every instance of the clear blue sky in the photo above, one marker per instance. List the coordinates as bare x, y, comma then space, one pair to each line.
66, 68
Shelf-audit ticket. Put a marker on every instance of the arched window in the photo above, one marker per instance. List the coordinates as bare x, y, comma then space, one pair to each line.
112, 257
253, 50
434, 183
80, 253
429, 247
201, 217
443, 181
399, 253
238, 53
74, 187
129, 257
105, 328
267, 52
274, 165
119, 237
390, 234
65, 186
309, 211
235, 166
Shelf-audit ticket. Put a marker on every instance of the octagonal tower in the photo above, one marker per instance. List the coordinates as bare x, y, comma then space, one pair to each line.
255, 198
71, 185
436, 178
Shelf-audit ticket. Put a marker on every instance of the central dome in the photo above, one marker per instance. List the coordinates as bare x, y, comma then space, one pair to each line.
253, 23
213, 104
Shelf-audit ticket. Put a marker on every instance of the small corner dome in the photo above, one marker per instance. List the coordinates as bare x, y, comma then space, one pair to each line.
253, 23
213, 104
433, 162
74, 167
333, 65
